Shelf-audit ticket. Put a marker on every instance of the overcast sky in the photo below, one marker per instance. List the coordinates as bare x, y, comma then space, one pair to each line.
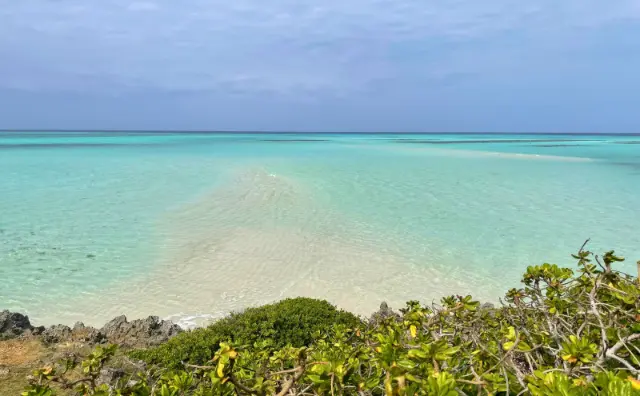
330, 65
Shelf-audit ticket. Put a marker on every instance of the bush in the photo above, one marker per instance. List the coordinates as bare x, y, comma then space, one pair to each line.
296, 322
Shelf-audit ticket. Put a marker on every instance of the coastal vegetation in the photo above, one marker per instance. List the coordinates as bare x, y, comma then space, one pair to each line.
292, 322
563, 332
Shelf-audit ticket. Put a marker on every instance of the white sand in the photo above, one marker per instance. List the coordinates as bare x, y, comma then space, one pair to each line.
259, 240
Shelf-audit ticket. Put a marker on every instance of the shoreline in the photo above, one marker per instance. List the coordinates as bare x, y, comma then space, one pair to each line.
138, 332
145, 332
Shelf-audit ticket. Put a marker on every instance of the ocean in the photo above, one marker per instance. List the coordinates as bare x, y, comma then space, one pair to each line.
191, 226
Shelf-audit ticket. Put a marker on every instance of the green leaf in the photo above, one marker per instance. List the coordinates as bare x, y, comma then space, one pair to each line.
406, 364
417, 353
316, 378
523, 346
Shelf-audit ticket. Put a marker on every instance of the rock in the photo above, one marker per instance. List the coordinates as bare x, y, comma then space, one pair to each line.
13, 324
115, 325
131, 383
109, 376
487, 309
139, 333
56, 334
88, 335
80, 333
487, 306
383, 313
4, 371
38, 330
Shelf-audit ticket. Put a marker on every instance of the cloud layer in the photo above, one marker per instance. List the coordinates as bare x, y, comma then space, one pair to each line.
441, 53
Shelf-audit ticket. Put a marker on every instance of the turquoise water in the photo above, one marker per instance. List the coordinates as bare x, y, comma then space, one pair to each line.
191, 226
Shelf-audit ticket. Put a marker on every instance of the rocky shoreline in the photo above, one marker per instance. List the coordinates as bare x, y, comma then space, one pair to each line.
139, 333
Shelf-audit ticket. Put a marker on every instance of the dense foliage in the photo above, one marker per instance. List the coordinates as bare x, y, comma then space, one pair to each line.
563, 333
288, 322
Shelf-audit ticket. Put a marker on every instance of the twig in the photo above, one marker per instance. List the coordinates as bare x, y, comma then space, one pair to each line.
290, 383
471, 382
199, 367
583, 245
611, 352
237, 383
594, 310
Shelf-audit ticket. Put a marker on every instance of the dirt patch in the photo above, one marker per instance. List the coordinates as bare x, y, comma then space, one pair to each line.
20, 352
18, 358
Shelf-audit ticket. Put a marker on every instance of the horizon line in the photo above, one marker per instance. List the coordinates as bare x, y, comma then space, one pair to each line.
213, 131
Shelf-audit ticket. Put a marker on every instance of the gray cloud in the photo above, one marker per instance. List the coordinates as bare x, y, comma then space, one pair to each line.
281, 46
357, 54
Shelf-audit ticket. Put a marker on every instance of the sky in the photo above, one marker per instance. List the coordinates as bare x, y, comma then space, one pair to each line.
330, 65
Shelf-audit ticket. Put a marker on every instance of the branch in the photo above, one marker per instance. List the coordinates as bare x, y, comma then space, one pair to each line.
69, 385
507, 354
291, 381
232, 378
611, 352
199, 367
583, 245
624, 362
471, 382
622, 342
594, 310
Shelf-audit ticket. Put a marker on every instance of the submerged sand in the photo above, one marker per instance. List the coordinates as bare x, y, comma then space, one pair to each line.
261, 238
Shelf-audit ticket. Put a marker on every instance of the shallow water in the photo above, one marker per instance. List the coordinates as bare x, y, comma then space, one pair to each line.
191, 226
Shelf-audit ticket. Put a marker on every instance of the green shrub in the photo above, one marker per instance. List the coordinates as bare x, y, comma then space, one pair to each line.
296, 322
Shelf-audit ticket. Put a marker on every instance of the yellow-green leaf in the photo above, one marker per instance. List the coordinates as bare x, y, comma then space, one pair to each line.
413, 330
220, 370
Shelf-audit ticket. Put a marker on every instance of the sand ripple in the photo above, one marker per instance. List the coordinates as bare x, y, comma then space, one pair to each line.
260, 239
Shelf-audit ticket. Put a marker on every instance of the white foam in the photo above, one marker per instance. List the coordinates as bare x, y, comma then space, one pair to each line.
192, 321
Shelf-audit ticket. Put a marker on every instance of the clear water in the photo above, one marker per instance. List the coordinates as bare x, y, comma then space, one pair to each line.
191, 226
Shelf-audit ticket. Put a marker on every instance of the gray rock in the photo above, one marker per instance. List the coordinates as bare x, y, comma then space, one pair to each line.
110, 376
79, 333
38, 330
131, 383
56, 334
487, 306
115, 326
383, 313
487, 309
4, 371
87, 334
139, 333
13, 324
